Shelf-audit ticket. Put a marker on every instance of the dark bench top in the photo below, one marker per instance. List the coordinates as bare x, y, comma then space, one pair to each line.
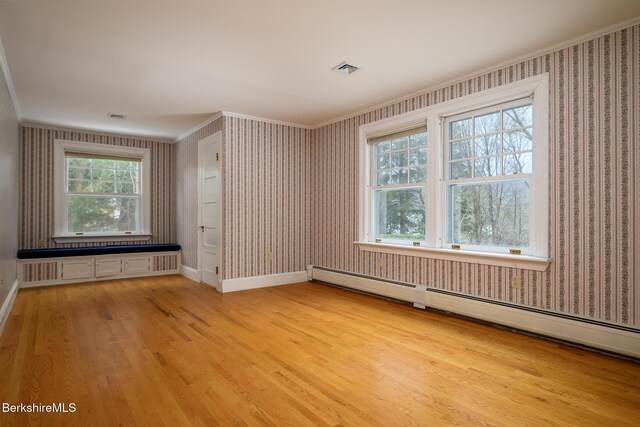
95, 250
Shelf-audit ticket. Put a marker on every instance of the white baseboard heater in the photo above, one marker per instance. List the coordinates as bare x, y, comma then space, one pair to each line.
612, 338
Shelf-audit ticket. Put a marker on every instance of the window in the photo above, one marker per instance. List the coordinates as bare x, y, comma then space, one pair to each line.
398, 185
489, 166
101, 192
461, 179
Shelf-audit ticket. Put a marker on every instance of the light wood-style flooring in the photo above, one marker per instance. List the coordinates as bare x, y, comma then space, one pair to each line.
168, 351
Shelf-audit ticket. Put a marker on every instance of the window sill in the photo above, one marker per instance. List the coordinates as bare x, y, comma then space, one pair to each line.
102, 238
503, 260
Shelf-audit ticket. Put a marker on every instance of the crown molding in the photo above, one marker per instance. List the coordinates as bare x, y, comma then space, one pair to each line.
197, 127
547, 50
35, 125
4, 65
239, 116
265, 120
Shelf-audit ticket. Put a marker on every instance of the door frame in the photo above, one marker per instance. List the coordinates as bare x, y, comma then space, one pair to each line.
215, 138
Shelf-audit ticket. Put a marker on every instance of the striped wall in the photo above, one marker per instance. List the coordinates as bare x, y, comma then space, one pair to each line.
267, 198
266, 193
36, 186
164, 262
40, 271
594, 189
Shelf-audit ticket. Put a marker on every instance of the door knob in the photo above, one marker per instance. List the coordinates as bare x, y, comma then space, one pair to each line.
201, 227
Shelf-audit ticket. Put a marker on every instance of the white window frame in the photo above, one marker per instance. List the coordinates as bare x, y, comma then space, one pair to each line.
434, 246
61, 234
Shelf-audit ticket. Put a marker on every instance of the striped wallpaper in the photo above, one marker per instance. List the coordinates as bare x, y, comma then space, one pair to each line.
36, 186
266, 183
267, 198
594, 189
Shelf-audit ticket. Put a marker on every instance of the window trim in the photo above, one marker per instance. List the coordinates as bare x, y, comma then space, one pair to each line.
537, 86
61, 235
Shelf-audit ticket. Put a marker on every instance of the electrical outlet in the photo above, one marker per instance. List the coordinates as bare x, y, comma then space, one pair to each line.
270, 256
515, 282
41, 243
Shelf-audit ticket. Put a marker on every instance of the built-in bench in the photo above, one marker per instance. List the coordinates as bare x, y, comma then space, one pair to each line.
52, 266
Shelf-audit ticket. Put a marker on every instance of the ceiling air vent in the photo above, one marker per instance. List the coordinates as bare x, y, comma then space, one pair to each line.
345, 68
117, 116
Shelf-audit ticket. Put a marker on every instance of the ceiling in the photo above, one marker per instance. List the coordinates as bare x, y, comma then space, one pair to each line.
169, 65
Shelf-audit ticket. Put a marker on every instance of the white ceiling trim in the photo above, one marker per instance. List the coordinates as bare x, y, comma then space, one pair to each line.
551, 49
7, 76
199, 126
262, 119
96, 132
239, 116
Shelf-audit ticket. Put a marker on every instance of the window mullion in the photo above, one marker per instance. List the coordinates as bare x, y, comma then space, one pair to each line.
433, 179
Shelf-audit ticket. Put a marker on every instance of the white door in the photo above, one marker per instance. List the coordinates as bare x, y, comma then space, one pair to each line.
209, 209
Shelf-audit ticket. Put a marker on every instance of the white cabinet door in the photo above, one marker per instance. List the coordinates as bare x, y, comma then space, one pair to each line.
108, 267
136, 265
72, 270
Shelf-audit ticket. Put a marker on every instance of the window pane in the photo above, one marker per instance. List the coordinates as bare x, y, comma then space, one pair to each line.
418, 139
399, 143
489, 214
487, 123
101, 214
460, 129
78, 162
460, 149
127, 175
460, 169
399, 176
382, 178
103, 164
78, 173
519, 140
382, 161
383, 146
127, 165
400, 214
416, 175
79, 186
104, 187
399, 159
488, 166
517, 117
418, 157
103, 174
518, 163
487, 145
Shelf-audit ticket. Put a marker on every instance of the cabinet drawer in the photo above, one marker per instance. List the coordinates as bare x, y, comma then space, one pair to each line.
72, 270
136, 265
108, 267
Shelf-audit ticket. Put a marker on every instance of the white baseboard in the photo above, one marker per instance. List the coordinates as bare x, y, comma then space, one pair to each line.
191, 273
255, 282
5, 310
572, 330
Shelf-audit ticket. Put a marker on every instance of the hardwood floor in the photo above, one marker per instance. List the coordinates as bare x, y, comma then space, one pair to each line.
168, 351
